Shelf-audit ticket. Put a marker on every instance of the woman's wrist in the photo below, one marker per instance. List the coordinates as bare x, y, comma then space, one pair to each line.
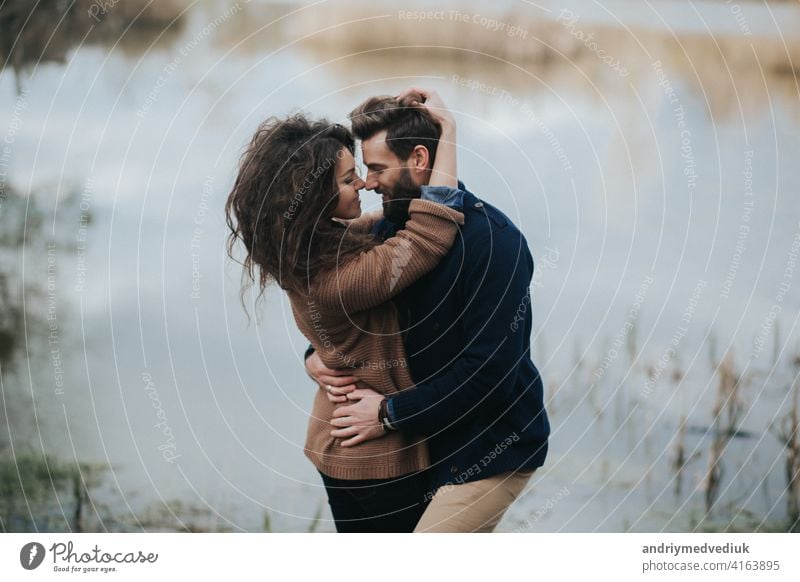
448, 133
444, 170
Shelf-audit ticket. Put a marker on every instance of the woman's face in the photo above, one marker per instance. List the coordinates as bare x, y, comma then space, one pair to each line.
349, 184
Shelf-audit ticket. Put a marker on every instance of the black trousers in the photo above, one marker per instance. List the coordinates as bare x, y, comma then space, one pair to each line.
378, 505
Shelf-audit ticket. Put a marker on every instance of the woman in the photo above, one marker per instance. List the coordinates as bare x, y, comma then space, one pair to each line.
295, 205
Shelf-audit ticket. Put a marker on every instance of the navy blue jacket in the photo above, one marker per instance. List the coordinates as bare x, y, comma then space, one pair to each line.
467, 328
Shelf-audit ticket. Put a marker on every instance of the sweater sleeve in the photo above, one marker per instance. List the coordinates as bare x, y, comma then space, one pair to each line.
380, 273
497, 280
365, 222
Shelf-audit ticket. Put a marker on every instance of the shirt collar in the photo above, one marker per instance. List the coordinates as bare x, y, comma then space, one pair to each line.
385, 228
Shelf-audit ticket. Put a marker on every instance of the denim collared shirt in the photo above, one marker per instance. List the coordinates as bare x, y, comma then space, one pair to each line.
452, 197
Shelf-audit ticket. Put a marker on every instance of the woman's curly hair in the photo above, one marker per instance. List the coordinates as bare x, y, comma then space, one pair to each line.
281, 204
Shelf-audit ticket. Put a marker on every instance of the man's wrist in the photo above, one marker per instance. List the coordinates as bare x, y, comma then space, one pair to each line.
385, 417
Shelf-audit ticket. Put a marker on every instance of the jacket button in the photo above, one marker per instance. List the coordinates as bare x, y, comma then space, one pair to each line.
454, 469
479, 205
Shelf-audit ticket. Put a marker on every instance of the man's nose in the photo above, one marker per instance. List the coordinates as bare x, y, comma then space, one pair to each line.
370, 183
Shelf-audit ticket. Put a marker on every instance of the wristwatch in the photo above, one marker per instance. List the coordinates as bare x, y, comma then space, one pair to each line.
383, 416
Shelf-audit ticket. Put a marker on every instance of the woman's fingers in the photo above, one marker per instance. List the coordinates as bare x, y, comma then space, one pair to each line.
324, 375
336, 381
431, 102
342, 390
336, 394
341, 372
418, 90
429, 96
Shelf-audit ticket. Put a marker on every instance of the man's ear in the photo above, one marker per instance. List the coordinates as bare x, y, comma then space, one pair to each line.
419, 159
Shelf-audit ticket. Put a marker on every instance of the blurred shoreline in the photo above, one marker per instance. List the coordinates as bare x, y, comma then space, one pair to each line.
523, 33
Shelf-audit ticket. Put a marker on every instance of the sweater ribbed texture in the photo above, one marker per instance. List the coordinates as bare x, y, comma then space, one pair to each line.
349, 319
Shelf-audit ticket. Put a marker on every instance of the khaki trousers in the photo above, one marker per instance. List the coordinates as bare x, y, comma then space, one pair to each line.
477, 506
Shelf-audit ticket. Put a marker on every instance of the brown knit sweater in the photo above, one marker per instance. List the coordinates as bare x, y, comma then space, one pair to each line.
349, 319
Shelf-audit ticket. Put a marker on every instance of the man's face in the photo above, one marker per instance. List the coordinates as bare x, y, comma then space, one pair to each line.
390, 177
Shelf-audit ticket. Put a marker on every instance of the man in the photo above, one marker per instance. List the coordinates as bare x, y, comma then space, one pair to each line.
467, 327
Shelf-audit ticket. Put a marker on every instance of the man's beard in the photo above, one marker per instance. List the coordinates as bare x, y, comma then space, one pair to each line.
395, 207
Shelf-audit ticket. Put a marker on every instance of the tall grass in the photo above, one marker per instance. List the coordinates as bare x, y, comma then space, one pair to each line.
706, 475
787, 431
727, 411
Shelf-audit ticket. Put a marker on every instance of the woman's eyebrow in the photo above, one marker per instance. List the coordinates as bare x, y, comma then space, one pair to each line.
350, 171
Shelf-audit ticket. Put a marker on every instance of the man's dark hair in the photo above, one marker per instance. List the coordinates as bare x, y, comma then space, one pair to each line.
406, 125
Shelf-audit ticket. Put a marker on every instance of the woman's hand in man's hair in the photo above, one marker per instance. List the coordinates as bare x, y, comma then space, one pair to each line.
429, 100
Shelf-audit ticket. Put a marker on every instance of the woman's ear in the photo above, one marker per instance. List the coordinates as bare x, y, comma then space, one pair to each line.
421, 158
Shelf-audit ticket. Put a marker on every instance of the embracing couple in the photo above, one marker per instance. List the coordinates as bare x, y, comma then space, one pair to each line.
430, 413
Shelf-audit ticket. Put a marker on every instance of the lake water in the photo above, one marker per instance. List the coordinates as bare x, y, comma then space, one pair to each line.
656, 182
